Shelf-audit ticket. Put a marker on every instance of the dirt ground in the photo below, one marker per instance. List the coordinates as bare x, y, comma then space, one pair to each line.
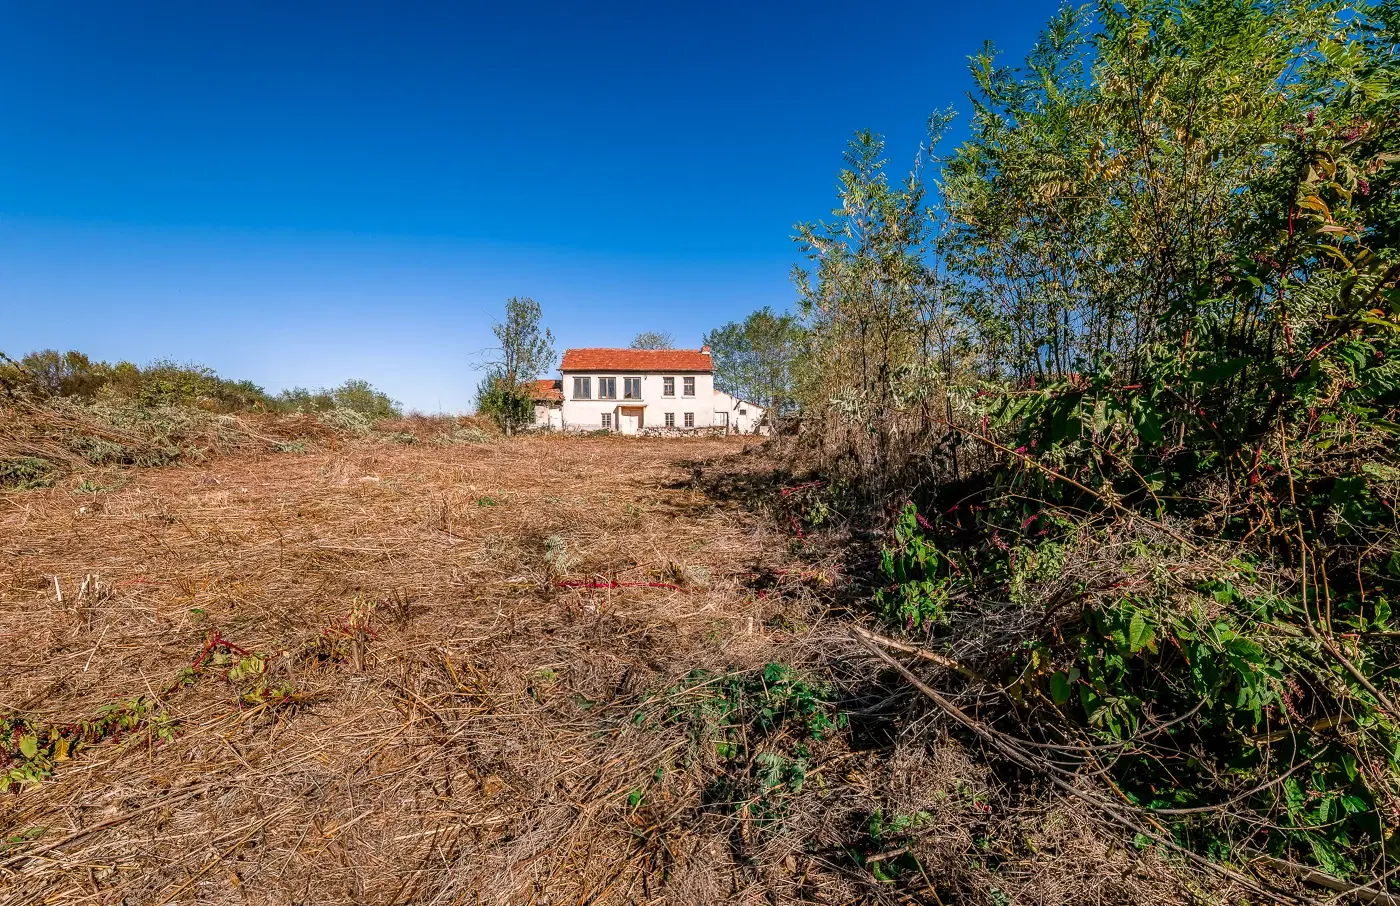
442, 733
407, 673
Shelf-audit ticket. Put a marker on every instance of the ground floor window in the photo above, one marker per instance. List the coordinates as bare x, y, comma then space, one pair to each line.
607, 421
690, 419
670, 419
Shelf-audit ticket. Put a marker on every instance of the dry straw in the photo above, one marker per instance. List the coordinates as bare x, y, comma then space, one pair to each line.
459, 650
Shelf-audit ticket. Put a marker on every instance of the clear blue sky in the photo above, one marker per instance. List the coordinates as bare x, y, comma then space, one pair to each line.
297, 192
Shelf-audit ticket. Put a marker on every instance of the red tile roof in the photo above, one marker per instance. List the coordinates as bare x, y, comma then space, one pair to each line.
547, 389
636, 360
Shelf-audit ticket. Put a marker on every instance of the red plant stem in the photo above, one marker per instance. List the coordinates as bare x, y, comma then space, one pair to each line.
577, 583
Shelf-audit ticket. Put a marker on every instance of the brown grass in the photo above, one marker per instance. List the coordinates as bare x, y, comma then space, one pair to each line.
461, 728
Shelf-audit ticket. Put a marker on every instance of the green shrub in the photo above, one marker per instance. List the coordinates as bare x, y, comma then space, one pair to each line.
348, 420
755, 728
26, 472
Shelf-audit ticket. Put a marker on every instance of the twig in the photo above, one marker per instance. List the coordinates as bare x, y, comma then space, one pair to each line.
111, 822
930, 656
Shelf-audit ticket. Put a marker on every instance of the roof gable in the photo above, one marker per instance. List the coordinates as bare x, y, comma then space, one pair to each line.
673, 360
546, 389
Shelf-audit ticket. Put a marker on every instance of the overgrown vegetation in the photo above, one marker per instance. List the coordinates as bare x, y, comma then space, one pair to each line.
73, 375
756, 359
1136, 371
525, 350
64, 412
752, 731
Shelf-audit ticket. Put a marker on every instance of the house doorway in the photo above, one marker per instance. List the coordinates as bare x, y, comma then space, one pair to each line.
629, 419
722, 421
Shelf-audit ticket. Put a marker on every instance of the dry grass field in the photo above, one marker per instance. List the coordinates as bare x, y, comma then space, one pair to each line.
531, 671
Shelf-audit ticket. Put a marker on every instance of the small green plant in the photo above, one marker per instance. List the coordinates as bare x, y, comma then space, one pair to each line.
557, 556
295, 446
91, 486
486, 501
921, 575
31, 751
756, 728
26, 473
884, 851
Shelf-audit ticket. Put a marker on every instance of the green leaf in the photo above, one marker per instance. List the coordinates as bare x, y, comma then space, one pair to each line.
1221, 371
1060, 688
29, 745
1245, 648
1139, 633
1326, 856
1353, 804
1149, 421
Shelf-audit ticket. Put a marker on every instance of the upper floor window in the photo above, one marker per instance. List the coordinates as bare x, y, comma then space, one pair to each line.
632, 388
583, 388
668, 386
607, 388
690, 386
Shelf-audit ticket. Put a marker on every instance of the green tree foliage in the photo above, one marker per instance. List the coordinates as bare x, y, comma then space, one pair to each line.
525, 350
757, 359
165, 382
355, 394
505, 402
653, 339
883, 340
66, 374
1166, 262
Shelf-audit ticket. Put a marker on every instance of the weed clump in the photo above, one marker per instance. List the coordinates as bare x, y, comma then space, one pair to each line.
754, 731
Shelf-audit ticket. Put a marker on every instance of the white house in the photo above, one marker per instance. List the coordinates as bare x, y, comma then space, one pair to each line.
741, 417
640, 391
549, 403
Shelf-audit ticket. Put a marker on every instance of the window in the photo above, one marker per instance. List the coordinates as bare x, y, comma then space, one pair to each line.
607, 421
632, 388
668, 386
690, 386
743, 412
690, 416
607, 388
670, 419
583, 388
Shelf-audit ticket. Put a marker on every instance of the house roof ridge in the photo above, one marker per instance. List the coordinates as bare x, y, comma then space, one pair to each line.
611, 358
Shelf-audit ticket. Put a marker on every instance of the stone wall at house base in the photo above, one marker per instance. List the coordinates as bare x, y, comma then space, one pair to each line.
706, 431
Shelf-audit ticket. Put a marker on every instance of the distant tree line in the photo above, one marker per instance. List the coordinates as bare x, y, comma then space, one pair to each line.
165, 382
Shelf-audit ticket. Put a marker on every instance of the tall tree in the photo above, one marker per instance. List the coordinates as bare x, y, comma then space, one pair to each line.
525, 349
653, 339
875, 310
756, 359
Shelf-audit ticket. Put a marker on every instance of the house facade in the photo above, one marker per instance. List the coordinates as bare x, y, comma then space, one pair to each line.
548, 399
640, 391
740, 416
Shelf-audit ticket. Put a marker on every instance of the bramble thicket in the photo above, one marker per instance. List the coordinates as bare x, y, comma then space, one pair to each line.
1123, 365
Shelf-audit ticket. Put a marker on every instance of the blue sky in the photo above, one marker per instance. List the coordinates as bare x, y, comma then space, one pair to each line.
296, 192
